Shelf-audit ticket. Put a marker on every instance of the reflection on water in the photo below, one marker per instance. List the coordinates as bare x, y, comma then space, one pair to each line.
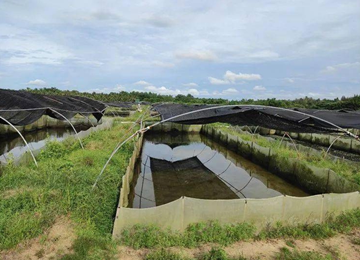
172, 166
13, 146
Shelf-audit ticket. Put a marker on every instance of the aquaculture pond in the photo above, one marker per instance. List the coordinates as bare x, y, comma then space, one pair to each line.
12, 145
174, 165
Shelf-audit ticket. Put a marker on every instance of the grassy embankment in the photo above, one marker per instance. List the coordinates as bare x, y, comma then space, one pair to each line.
212, 232
33, 198
350, 171
224, 235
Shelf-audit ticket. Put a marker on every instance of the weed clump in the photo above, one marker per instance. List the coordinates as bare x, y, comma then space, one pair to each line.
286, 254
163, 254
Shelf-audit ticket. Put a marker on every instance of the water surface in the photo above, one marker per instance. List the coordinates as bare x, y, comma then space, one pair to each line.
195, 166
12, 145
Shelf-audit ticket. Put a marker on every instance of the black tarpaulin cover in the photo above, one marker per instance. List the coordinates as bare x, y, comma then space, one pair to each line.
23, 108
269, 117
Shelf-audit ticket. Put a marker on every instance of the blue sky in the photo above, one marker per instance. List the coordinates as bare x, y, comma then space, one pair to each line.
230, 49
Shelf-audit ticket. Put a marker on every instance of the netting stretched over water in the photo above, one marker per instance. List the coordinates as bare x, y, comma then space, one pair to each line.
269, 117
23, 108
188, 177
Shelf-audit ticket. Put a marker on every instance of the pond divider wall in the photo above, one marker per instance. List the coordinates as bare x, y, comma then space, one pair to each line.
48, 122
344, 143
177, 215
311, 178
26, 157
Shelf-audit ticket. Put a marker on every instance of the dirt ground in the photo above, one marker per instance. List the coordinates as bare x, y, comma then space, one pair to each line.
341, 247
57, 241
53, 244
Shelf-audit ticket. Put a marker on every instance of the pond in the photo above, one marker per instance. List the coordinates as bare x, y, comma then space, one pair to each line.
12, 146
192, 165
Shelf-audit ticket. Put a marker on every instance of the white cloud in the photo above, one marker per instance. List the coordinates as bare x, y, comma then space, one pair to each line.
215, 81
334, 68
194, 92
173, 92
266, 54
90, 62
160, 21
191, 84
314, 94
117, 88
232, 78
37, 82
230, 91
197, 55
289, 80
163, 64
28, 47
259, 88
142, 83
226, 92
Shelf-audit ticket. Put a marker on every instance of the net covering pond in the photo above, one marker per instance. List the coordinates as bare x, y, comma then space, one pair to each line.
188, 178
23, 108
269, 117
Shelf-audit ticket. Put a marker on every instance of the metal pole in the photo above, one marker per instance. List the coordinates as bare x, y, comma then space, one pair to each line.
22, 137
143, 130
331, 145
76, 133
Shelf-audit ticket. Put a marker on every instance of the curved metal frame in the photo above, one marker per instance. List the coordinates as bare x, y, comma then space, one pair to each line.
143, 130
76, 133
23, 138
331, 145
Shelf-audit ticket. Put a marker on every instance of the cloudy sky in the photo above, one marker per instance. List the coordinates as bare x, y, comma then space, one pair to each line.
230, 49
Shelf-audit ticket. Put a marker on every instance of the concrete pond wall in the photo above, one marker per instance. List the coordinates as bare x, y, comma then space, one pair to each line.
313, 179
177, 215
48, 122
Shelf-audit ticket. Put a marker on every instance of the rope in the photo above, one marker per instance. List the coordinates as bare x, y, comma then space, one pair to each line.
142, 185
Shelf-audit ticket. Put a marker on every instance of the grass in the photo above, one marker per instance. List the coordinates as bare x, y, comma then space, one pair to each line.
212, 232
62, 186
286, 254
163, 254
347, 170
217, 253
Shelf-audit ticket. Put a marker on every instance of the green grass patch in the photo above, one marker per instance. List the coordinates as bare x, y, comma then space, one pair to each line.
164, 254
62, 185
286, 254
196, 234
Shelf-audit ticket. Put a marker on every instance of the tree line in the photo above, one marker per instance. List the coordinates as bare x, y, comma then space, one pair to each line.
350, 103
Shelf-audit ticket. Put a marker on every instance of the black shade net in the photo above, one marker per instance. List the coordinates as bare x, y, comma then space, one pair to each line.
188, 177
121, 104
269, 117
23, 108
